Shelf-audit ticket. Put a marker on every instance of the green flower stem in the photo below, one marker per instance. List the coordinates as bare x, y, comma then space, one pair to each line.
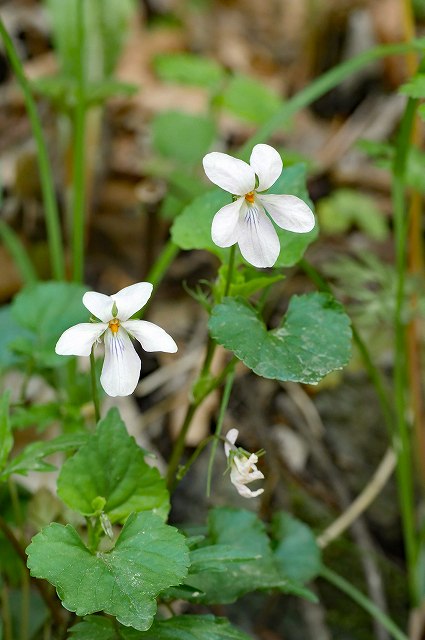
193, 458
363, 602
95, 392
79, 157
322, 85
159, 269
192, 408
230, 267
46, 177
402, 445
223, 406
18, 252
373, 372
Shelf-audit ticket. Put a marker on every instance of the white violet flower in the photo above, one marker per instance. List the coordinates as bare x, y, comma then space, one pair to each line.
245, 220
243, 469
121, 367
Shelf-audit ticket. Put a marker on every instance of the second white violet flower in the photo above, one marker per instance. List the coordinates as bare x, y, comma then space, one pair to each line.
243, 468
245, 220
121, 367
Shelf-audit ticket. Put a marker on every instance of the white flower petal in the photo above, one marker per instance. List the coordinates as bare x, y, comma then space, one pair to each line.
258, 240
121, 368
131, 299
78, 340
229, 443
267, 164
246, 492
230, 174
150, 336
99, 305
225, 227
289, 212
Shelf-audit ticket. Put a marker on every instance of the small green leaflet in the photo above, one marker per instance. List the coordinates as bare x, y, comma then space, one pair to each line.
6, 437
148, 557
181, 136
313, 339
32, 457
241, 533
249, 99
46, 310
111, 466
186, 627
295, 550
189, 69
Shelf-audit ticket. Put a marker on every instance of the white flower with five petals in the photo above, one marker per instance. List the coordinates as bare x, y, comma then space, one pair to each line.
245, 220
121, 367
243, 469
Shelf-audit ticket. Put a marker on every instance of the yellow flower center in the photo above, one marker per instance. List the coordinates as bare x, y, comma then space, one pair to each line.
250, 197
114, 325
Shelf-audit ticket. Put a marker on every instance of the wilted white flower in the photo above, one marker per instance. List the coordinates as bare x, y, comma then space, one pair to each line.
245, 220
243, 469
121, 367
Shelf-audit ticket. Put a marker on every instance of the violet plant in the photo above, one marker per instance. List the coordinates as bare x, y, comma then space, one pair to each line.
118, 569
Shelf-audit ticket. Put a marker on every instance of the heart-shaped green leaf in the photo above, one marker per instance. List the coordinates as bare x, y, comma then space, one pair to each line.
313, 339
296, 550
148, 557
239, 533
188, 627
111, 466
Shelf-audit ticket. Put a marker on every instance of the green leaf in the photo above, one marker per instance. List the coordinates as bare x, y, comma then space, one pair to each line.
6, 437
110, 465
313, 339
96, 628
192, 228
245, 534
10, 332
39, 416
250, 100
148, 557
296, 550
188, 68
46, 310
293, 181
415, 87
346, 207
106, 25
100, 92
32, 457
181, 136
185, 627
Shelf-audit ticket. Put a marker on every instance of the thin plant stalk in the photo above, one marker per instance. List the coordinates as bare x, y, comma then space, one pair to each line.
14, 245
357, 596
322, 85
402, 444
79, 157
192, 408
230, 267
54, 234
94, 388
223, 406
